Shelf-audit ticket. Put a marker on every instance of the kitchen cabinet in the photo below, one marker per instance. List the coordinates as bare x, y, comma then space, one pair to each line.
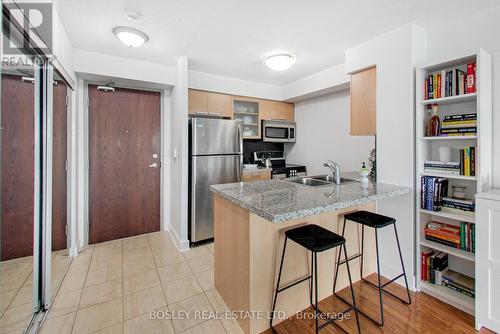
197, 102
256, 176
220, 104
247, 111
273, 110
363, 102
208, 103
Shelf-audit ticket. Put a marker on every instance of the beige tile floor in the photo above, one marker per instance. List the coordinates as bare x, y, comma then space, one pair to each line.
16, 282
111, 287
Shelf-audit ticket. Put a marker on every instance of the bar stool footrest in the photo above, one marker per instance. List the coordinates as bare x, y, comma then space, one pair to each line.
387, 292
359, 310
295, 283
331, 321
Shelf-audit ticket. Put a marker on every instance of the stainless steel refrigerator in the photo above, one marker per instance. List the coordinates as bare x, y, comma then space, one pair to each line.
215, 157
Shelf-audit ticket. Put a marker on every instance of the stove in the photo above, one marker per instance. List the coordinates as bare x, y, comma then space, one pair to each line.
280, 168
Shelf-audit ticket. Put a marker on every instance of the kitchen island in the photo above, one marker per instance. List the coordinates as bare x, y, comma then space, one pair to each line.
249, 224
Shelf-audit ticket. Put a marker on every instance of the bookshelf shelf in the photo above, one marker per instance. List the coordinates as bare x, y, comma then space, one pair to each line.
449, 215
456, 299
450, 176
469, 256
451, 99
449, 138
427, 149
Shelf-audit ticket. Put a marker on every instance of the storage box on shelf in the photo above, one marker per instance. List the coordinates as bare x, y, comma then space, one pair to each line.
460, 92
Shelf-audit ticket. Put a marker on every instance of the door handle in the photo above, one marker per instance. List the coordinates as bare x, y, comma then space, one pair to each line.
153, 165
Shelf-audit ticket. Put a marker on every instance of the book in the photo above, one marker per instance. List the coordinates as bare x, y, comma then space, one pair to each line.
444, 242
453, 287
442, 171
469, 129
449, 228
471, 116
470, 85
459, 279
442, 76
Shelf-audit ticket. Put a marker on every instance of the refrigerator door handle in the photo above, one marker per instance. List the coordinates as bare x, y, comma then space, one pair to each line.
239, 171
239, 138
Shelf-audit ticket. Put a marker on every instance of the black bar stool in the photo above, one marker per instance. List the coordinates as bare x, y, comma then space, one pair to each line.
375, 221
315, 239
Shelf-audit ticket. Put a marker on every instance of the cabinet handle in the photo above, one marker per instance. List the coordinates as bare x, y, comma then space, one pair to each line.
214, 113
279, 119
202, 112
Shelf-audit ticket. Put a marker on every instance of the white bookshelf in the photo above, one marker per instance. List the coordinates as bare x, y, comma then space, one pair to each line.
427, 149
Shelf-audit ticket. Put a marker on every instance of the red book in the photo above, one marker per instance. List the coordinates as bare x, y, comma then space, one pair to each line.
470, 82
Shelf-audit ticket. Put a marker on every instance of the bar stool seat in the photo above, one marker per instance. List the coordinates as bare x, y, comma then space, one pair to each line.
370, 219
315, 238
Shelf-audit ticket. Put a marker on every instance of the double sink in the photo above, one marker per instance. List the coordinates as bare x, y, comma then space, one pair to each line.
315, 181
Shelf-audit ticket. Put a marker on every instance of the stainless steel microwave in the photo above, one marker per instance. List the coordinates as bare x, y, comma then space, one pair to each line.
279, 131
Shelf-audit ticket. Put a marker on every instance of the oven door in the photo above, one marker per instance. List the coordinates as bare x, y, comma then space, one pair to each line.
278, 131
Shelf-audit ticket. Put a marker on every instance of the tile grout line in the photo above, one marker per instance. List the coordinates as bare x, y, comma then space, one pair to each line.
159, 278
81, 293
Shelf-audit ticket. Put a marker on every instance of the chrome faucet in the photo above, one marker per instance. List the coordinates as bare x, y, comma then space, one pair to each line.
334, 167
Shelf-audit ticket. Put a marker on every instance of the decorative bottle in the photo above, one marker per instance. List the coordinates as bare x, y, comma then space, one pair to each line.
435, 122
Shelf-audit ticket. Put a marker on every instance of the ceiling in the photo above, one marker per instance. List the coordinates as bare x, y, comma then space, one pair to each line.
232, 37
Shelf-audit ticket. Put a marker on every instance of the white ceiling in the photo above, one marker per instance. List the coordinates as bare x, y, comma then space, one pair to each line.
232, 37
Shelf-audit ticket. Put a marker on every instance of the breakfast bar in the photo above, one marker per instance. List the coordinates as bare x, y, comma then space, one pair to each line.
250, 220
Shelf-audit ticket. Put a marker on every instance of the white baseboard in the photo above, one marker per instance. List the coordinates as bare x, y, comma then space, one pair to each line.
182, 245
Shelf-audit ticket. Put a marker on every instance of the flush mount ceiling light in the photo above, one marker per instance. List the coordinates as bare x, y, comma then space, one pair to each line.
130, 37
280, 62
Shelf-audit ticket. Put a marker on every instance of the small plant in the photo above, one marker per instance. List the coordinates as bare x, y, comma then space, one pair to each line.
373, 165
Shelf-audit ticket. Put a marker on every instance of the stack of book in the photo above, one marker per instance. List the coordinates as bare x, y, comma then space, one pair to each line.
432, 267
459, 125
468, 161
458, 282
450, 83
460, 206
461, 237
432, 190
452, 168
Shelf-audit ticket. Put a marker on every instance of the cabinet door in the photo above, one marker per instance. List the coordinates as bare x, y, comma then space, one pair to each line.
488, 264
273, 110
257, 176
363, 102
197, 102
247, 110
220, 104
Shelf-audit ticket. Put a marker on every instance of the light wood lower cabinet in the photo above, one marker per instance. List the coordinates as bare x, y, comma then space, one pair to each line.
363, 102
256, 176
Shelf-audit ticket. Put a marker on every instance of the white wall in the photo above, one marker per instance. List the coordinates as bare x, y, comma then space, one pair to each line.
218, 83
323, 125
179, 164
395, 54
466, 37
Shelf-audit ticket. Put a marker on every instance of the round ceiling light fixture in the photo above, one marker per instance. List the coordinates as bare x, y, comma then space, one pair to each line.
280, 62
130, 37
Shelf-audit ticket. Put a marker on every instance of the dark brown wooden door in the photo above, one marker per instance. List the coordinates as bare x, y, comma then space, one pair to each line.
124, 137
59, 173
17, 167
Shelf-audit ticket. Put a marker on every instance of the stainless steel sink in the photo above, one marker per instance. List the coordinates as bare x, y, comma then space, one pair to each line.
315, 181
329, 178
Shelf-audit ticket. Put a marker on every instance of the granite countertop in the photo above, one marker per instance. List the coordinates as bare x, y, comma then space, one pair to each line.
279, 201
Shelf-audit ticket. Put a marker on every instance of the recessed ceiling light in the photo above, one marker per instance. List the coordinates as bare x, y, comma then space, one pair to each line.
280, 62
133, 15
130, 37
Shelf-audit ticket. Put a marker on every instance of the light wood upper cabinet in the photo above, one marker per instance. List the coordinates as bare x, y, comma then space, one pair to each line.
363, 102
220, 104
273, 110
197, 101
201, 102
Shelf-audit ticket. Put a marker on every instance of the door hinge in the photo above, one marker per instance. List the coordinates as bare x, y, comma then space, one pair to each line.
66, 165
66, 230
67, 100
